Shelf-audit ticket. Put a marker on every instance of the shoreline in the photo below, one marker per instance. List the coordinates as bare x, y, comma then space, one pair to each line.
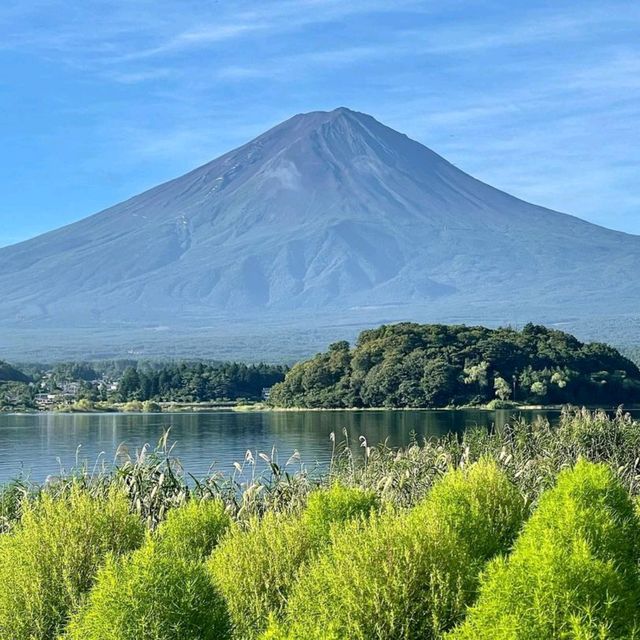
174, 408
520, 407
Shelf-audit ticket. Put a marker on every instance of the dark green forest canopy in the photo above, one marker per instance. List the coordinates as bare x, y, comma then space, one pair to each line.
413, 365
195, 382
11, 374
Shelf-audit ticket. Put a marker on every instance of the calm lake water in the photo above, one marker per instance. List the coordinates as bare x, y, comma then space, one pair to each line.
40, 444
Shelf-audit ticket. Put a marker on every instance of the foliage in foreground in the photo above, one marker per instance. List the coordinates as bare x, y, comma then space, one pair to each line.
48, 563
162, 591
573, 572
416, 534
407, 576
255, 567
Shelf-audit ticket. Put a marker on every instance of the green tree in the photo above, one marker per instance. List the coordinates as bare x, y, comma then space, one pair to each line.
502, 388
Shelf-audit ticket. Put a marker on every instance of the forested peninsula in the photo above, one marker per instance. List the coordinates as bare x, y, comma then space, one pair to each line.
435, 365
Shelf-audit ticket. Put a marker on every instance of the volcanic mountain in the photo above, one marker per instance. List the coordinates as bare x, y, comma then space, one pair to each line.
327, 216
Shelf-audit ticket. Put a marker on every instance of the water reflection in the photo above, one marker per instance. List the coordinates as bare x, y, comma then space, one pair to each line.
40, 444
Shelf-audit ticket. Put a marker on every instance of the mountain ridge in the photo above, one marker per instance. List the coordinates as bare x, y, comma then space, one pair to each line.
329, 213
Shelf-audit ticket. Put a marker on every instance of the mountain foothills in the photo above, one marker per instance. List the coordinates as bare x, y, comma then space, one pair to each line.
9, 373
329, 219
411, 365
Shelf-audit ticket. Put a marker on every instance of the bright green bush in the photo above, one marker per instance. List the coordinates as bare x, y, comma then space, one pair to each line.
411, 575
163, 591
326, 507
479, 505
573, 570
152, 596
254, 568
49, 561
193, 530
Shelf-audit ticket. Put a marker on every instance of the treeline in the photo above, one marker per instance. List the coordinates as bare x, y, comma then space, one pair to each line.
197, 382
128, 381
413, 365
632, 352
15, 391
9, 373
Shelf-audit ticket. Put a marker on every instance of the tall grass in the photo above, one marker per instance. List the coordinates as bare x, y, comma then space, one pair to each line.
386, 544
12, 496
49, 560
531, 454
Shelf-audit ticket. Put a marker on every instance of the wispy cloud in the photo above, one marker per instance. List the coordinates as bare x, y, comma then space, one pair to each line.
540, 98
154, 29
448, 40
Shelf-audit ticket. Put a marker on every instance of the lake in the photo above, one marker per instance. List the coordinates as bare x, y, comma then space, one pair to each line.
40, 444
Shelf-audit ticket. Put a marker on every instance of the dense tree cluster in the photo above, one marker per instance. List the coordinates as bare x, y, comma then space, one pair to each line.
15, 392
413, 365
189, 382
9, 373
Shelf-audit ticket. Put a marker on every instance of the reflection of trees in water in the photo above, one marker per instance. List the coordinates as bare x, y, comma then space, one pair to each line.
35, 442
397, 428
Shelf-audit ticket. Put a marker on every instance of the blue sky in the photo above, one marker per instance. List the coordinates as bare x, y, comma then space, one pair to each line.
101, 99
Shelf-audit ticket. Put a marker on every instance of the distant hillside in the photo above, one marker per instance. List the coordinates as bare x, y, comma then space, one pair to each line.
11, 374
412, 365
330, 219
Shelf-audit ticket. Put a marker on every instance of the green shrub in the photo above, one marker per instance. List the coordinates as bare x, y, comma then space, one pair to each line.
479, 505
133, 406
152, 595
255, 567
337, 504
573, 570
410, 575
148, 406
163, 591
193, 530
49, 561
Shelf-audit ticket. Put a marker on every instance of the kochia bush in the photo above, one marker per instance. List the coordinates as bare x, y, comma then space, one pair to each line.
49, 561
407, 576
152, 596
255, 568
573, 571
193, 530
326, 507
163, 591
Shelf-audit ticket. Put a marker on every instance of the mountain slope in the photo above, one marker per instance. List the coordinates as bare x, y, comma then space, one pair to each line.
327, 213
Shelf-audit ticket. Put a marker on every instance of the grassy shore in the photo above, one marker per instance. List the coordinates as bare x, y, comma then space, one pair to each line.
262, 406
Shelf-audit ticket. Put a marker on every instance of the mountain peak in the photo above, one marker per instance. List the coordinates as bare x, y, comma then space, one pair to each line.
309, 122
329, 212
330, 115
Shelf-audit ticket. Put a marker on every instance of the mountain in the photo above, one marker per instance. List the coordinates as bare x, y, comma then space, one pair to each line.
328, 218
